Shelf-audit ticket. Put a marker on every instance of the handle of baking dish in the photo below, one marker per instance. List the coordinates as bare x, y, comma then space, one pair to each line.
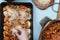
44, 21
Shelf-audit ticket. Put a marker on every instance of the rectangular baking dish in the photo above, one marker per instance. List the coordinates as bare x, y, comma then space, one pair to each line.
3, 4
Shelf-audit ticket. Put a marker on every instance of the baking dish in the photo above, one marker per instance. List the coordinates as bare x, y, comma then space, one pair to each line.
3, 4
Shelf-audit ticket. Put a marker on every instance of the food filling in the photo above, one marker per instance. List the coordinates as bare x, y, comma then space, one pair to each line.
16, 16
52, 32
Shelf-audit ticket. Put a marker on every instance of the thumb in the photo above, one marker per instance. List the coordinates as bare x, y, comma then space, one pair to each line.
17, 34
20, 29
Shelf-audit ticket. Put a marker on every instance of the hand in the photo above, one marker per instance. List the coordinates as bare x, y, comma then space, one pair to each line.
22, 34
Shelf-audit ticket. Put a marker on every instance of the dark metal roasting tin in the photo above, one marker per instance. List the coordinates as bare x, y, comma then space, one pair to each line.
3, 4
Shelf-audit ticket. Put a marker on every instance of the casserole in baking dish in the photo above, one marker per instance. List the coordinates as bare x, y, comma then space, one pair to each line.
16, 15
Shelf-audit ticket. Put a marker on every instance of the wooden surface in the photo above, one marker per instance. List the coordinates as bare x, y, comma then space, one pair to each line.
58, 12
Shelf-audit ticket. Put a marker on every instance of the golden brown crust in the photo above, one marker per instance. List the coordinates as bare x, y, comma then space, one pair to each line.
10, 24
